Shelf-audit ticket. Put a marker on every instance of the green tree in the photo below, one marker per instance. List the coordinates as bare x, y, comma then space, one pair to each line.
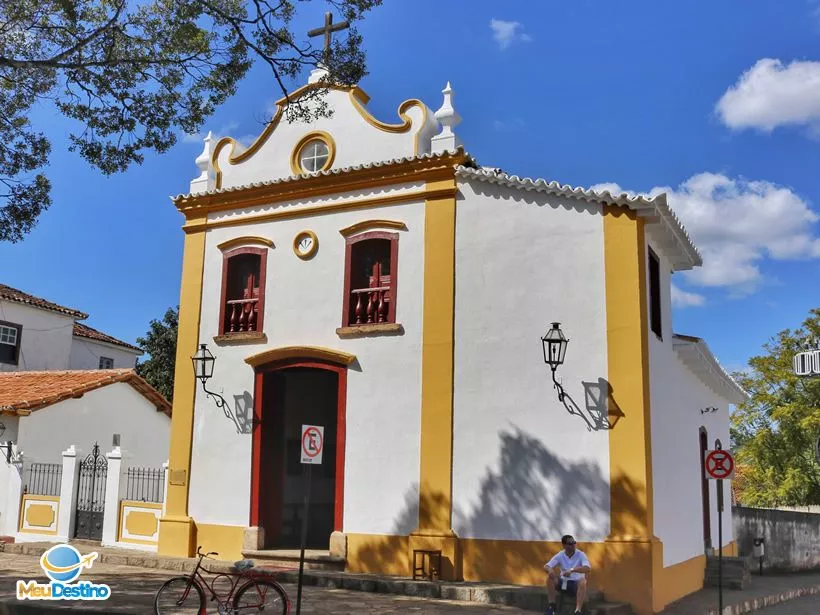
133, 75
774, 433
161, 344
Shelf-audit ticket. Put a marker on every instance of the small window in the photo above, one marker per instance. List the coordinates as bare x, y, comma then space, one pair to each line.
655, 295
370, 279
313, 155
106, 363
243, 291
10, 342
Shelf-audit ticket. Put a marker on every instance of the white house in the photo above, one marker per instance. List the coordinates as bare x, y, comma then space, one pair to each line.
46, 413
36, 334
376, 280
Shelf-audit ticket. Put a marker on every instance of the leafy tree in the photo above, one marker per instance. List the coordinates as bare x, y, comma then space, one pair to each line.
134, 74
775, 432
161, 343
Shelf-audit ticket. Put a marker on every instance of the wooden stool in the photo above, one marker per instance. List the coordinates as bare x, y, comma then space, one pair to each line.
433, 569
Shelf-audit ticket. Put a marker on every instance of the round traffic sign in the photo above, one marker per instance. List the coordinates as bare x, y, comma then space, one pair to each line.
719, 464
312, 442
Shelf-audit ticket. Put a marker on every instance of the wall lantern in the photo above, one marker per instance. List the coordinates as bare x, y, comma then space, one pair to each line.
555, 349
203, 362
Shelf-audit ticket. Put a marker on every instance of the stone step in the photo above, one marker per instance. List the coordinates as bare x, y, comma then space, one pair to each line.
282, 558
523, 597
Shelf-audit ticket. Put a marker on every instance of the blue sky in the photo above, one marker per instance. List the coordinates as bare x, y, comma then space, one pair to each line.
717, 103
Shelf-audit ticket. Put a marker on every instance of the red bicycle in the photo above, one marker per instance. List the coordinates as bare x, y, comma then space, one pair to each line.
235, 593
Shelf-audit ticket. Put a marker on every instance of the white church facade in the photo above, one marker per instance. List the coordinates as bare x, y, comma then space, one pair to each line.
375, 279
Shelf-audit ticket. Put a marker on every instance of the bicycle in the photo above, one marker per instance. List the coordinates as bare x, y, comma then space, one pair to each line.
248, 592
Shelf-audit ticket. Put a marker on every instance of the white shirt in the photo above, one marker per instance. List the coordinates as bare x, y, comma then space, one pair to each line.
565, 563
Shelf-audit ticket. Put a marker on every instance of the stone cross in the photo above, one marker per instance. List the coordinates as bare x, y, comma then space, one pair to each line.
328, 29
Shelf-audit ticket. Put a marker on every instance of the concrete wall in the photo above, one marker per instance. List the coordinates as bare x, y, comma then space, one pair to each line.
523, 467
95, 417
303, 307
676, 396
792, 539
86, 353
45, 339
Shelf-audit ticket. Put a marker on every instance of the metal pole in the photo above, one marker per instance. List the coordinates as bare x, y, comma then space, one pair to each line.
720, 546
304, 540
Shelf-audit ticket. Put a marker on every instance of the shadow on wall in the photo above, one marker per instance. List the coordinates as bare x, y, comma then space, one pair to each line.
531, 494
243, 412
600, 411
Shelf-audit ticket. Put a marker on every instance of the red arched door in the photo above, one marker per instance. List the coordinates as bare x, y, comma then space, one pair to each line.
289, 394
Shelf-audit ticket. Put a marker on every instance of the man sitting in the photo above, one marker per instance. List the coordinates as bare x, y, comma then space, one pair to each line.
567, 572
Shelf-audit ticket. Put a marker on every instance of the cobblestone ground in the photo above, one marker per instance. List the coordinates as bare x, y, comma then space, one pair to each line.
802, 606
133, 591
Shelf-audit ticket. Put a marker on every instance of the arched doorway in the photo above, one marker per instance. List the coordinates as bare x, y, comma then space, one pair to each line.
290, 393
704, 488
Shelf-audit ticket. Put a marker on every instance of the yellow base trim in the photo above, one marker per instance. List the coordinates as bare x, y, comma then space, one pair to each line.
176, 536
300, 352
227, 540
374, 553
676, 581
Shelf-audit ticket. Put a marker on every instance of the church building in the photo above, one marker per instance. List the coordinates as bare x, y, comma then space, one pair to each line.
376, 279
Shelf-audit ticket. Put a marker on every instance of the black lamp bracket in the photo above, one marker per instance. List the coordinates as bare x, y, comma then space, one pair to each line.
222, 405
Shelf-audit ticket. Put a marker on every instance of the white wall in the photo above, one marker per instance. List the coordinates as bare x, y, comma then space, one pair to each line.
96, 417
45, 339
676, 397
523, 467
303, 306
357, 142
86, 353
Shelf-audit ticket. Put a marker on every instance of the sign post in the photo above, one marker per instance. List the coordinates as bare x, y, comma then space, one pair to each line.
720, 465
313, 441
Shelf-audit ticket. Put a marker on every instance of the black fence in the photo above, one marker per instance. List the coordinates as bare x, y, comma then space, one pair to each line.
145, 484
44, 479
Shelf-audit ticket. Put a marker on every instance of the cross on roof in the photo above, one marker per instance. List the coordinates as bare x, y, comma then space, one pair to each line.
328, 29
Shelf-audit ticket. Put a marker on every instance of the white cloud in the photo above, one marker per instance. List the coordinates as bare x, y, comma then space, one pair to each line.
736, 224
682, 299
224, 131
507, 32
771, 94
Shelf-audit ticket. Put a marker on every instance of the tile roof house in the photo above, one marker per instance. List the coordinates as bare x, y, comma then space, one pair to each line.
38, 334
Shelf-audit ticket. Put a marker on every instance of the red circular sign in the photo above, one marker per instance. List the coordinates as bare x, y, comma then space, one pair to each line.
312, 446
719, 464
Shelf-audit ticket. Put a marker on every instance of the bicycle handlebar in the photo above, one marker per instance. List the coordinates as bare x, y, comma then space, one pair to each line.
201, 554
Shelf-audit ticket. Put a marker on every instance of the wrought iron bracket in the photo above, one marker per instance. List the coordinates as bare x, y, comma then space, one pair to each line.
558, 388
708, 410
222, 405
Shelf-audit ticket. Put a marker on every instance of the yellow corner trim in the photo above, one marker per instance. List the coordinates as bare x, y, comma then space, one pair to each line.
321, 135
300, 352
364, 225
245, 241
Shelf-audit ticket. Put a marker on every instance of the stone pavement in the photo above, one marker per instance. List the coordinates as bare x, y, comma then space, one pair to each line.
802, 606
765, 591
133, 589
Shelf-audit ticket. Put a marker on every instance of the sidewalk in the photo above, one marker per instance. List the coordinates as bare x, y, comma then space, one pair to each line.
768, 590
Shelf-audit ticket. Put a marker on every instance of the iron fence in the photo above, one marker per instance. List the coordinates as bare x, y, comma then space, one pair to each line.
44, 478
145, 484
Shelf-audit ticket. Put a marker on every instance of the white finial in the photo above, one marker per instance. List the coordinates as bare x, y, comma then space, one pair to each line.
446, 140
203, 161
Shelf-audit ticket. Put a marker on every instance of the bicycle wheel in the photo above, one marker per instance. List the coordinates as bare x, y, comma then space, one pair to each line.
261, 595
179, 596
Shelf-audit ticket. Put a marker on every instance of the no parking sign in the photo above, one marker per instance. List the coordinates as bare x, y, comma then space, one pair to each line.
313, 443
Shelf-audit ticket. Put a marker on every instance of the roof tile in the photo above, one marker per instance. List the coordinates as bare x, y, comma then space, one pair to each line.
12, 294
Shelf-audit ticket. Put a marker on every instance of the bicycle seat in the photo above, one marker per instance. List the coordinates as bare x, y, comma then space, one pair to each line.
244, 564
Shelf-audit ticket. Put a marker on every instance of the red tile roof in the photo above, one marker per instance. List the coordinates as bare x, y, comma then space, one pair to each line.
81, 330
12, 294
23, 392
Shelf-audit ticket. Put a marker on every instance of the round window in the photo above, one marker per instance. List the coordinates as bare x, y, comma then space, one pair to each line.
314, 156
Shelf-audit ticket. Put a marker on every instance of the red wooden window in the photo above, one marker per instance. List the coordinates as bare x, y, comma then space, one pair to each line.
242, 304
371, 273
